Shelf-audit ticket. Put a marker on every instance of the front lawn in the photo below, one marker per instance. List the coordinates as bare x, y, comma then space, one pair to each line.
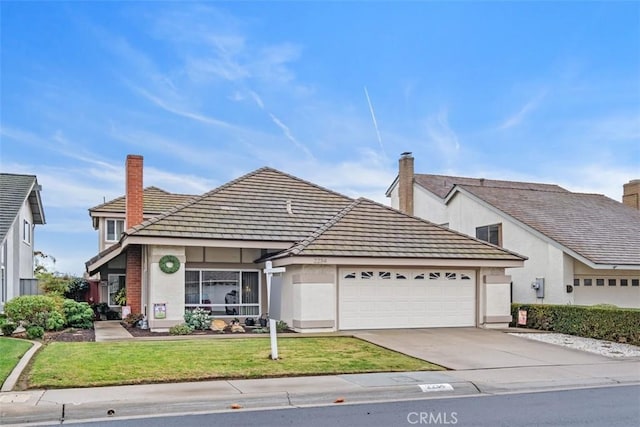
11, 350
88, 364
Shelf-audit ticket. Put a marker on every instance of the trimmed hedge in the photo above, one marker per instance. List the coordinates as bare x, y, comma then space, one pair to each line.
600, 322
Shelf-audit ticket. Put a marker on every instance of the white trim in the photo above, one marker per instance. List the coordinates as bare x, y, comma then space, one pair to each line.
395, 262
217, 305
115, 229
27, 226
109, 284
208, 243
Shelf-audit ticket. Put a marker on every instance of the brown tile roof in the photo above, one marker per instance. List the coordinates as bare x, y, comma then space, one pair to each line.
156, 201
598, 228
368, 229
441, 185
253, 207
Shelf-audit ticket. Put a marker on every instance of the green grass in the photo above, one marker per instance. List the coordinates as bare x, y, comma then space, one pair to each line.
89, 364
11, 350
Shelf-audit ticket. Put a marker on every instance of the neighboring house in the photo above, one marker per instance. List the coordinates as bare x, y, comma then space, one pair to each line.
585, 247
20, 210
350, 264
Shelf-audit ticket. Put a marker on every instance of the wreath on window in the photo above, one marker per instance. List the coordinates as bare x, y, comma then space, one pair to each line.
169, 264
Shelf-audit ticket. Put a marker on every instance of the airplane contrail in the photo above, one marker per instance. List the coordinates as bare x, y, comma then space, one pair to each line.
373, 116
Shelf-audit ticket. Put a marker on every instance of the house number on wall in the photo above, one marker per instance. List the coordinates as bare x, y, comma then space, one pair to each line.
319, 260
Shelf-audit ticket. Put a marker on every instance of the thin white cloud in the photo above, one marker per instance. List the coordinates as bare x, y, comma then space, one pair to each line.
287, 132
517, 118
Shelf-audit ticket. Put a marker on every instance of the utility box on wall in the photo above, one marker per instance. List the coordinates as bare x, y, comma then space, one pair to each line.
538, 286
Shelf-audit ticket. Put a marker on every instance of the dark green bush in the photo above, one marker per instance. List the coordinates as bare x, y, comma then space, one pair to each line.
8, 328
35, 332
79, 314
54, 321
33, 309
606, 323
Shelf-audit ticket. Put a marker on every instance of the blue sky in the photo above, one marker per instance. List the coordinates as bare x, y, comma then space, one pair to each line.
331, 92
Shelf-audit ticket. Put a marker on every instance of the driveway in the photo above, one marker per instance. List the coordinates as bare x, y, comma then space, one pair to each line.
473, 348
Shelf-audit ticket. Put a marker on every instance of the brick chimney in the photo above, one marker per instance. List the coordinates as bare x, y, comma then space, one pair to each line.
631, 194
134, 210
405, 183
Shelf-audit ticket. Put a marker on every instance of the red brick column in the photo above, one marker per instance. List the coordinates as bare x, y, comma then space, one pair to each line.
134, 190
134, 278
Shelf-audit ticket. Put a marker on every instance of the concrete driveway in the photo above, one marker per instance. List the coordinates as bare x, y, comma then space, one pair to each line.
473, 348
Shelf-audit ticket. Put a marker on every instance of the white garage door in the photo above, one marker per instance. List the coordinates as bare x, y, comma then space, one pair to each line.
377, 299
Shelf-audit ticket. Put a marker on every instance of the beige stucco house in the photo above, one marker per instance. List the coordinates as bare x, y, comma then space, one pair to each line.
20, 211
582, 248
350, 263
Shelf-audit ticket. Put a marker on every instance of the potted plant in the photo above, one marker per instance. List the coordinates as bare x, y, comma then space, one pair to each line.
264, 320
121, 300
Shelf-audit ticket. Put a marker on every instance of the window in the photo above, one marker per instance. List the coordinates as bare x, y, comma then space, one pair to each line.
114, 284
115, 228
587, 282
223, 292
400, 276
384, 274
576, 282
624, 282
350, 275
434, 276
612, 282
450, 276
419, 276
366, 274
26, 231
599, 282
464, 276
490, 233
635, 282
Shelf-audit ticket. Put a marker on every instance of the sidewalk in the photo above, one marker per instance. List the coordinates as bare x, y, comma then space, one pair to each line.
17, 408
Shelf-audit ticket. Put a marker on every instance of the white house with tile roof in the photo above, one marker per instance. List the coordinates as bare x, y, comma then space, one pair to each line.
350, 264
586, 247
20, 211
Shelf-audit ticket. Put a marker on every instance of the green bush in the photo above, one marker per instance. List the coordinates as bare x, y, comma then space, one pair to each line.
79, 314
8, 328
181, 329
54, 321
606, 323
33, 309
35, 332
198, 319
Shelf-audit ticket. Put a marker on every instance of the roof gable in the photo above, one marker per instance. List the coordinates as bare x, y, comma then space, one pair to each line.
15, 190
156, 201
594, 226
368, 229
264, 205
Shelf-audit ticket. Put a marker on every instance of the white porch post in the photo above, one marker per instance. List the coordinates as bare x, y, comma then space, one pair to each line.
270, 271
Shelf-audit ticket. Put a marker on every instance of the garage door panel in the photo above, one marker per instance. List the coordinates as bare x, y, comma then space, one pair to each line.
432, 300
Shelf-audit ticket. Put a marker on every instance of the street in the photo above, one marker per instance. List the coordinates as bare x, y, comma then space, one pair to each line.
610, 406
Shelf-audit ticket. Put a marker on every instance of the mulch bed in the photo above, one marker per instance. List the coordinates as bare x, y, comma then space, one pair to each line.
67, 335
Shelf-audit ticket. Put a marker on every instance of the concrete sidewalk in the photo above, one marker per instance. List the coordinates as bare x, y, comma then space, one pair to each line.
110, 330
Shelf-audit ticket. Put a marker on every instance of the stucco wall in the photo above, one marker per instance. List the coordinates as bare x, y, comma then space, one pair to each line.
311, 297
163, 288
545, 260
426, 205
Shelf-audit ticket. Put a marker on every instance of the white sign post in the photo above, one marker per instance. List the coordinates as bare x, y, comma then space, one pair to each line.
270, 271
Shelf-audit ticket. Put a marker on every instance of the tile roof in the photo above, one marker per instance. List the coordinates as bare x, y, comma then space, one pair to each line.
14, 190
598, 228
156, 201
368, 229
252, 207
441, 185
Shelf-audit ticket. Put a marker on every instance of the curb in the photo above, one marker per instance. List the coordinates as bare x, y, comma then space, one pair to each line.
12, 379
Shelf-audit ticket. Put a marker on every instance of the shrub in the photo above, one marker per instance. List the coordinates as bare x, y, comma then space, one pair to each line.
8, 328
52, 283
281, 326
198, 319
78, 314
54, 321
181, 329
133, 318
35, 332
76, 289
607, 323
33, 309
